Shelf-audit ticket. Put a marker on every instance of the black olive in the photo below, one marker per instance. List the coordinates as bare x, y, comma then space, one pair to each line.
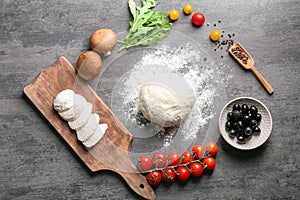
234, 125
228, 125
236, 107
258, 117
256, 130
251, 116
240, 125
239, 133
229, 116
241, 139
232, 133
242, 122
245, 109
236, 115
248, 131
253, 122
253, 110
246, 119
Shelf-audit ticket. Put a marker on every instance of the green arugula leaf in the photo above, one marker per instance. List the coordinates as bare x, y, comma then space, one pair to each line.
149, 3
154, 36
141, 19
132, 7
158, 19
146, 27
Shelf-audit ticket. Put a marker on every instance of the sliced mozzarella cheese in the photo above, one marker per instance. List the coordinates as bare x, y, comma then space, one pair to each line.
97, 135
83, 117
64, 100
78, 112
103, 127
70, 114
73, 113
89, 128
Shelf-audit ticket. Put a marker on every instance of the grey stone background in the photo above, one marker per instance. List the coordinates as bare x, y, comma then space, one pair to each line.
37, 164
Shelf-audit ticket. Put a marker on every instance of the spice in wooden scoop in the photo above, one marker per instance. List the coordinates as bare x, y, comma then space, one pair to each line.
244, 58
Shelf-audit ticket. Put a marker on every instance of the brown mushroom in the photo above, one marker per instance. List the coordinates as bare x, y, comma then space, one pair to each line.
88, 65
103, 40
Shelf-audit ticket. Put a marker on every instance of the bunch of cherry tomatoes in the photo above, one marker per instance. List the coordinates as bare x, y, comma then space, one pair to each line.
190, 163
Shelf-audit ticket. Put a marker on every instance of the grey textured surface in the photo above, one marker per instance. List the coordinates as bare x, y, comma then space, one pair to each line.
37, 164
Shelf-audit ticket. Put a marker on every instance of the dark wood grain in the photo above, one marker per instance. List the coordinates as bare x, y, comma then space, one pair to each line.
112, 151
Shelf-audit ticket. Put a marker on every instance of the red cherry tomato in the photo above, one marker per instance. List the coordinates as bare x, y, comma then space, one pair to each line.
169, 174
145, 163
210, 162
154, 177
183, 173
196, 169
212, 148
198, 19
174, 159
159, 159
199, 151
187, 157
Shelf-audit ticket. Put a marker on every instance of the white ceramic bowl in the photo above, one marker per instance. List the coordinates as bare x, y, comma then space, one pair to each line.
265, 124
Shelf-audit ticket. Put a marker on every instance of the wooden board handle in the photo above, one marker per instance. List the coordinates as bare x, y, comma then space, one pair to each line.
263, 81
118, 160
138, 184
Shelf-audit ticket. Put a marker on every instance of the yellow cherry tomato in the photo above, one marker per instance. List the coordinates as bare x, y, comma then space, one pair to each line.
174, 14
188, 9
215, 35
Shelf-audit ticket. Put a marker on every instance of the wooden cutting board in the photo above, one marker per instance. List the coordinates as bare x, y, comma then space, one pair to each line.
112, 151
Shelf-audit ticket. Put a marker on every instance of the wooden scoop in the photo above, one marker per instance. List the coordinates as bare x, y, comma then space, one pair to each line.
245, 59
112, 151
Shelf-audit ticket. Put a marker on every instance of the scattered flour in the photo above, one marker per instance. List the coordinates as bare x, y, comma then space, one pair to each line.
193, 66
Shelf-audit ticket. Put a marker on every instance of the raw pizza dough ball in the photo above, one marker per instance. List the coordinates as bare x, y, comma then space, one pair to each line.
166, 100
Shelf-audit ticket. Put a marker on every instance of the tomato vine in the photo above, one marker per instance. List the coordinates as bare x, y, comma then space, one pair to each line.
168, 168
